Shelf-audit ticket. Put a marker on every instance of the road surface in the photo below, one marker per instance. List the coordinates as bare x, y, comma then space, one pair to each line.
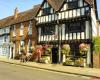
17, 72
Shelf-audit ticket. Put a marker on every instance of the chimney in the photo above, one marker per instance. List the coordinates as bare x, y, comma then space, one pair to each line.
16, 13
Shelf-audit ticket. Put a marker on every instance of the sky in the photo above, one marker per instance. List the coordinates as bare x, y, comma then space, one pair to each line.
7, 6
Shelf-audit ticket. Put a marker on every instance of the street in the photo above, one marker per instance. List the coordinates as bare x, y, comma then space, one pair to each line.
17, 72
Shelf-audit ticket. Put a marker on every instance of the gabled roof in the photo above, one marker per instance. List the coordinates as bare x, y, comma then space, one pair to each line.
56, 4
89, 1
23, 16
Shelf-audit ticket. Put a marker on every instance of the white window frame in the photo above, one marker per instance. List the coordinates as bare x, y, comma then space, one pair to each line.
30, 28
21, 29
14, 31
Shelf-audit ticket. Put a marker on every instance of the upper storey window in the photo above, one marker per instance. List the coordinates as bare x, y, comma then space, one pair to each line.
46, 9
30, 28
14, 30
21, 29
72, 4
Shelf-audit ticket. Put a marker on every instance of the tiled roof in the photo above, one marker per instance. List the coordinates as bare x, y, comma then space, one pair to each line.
89, 1
23, 16
56, 4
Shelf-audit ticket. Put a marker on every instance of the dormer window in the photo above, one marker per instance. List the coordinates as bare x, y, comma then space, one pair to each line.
46, 11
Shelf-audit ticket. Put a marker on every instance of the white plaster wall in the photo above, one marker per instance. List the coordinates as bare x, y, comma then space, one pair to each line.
63, 31
99, 30
87, 29
93, 17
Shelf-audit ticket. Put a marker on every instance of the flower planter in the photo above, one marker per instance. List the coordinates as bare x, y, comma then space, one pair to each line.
45, 59
64, 58
65, 51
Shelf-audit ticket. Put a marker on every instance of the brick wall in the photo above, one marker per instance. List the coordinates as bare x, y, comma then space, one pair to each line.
26, 37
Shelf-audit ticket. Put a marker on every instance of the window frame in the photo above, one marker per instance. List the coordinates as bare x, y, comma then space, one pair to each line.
30, 28
81, 27
72, 4
22, 29
46, 11
47, 30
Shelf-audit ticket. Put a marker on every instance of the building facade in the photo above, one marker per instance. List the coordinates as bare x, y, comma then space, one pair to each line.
23, 33
4, 41
54, 23
71, 22
17, 32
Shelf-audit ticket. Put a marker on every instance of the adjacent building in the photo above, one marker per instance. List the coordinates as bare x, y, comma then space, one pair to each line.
4, 41
17, 32
23, 32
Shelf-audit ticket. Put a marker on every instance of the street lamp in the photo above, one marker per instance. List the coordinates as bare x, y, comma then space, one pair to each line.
59, 42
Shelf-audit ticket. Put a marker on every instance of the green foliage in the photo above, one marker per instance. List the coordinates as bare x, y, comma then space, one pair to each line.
96, 42
48, 51
65, 49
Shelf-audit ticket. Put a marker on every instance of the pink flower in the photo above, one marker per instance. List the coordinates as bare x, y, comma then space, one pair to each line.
83, 47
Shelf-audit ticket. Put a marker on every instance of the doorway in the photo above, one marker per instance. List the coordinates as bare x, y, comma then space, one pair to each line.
54, 55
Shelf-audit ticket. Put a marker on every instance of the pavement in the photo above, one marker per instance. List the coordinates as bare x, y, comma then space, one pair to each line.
89, 72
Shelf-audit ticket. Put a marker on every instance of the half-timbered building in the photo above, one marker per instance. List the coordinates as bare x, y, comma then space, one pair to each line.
67, 22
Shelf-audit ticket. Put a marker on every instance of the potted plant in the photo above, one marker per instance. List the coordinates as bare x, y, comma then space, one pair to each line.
47, 52
83, 51
39, 51
83, 48
65, 51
